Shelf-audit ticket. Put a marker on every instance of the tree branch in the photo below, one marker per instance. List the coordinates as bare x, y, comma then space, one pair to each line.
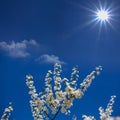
56, 113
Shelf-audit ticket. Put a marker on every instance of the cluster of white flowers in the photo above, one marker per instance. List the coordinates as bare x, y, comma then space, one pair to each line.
114, 118
60, 97
7, 112
88, 117
87, 81
104, 114
37, 104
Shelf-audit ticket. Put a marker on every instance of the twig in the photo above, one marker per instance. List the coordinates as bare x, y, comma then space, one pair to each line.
56, 113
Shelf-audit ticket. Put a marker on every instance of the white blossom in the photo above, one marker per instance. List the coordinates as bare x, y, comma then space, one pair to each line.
88, 117
104, 114
55, 98
89, 78
7, 112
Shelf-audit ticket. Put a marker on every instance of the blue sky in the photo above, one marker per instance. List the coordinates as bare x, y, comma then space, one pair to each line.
36, 34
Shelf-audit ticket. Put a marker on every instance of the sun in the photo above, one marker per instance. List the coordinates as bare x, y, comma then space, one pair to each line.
103, 15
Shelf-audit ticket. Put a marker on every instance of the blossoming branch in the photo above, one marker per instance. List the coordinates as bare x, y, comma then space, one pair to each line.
59, 93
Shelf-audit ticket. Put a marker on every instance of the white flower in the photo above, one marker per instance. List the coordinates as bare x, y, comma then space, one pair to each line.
56, 97
78, 93
7, 112
29, 77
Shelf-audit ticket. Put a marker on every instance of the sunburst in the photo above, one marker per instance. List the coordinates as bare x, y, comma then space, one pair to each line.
102, 15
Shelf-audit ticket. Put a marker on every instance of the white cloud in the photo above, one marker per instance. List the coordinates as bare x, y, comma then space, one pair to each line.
18, 49
50, 59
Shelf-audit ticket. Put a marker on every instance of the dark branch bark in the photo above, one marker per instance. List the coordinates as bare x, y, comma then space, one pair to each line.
56, 113
47, 115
